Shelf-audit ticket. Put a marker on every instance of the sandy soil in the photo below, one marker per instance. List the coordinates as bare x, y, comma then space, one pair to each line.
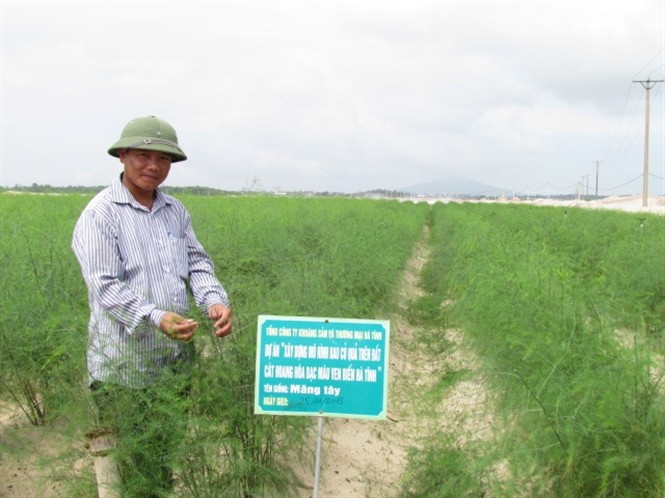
630, 203
31, 459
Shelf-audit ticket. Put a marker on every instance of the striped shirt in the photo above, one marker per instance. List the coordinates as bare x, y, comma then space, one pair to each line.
138, 264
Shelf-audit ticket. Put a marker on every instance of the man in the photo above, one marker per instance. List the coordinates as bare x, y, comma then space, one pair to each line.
139, 256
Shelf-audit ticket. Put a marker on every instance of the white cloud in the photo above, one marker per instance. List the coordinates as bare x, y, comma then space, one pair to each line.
331, 95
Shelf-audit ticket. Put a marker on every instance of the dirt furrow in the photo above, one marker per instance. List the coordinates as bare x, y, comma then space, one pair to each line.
364, 458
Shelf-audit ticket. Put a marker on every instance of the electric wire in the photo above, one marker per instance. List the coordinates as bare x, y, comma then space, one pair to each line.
648, 63
618, 155
622, 185
616, 129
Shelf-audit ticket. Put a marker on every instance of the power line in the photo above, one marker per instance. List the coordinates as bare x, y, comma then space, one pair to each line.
648, 84
616, 130
576, 184
648, 63
658, 68
617, 156
622, 185
620, 147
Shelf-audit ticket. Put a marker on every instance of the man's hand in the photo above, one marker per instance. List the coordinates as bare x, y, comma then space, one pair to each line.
223, 319
177, 327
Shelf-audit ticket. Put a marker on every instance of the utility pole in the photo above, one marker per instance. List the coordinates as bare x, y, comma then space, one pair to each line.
648, 85
597, 167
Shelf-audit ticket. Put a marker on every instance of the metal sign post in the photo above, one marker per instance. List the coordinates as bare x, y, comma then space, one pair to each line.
317, 464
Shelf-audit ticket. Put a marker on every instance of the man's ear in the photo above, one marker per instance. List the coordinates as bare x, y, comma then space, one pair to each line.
122, 153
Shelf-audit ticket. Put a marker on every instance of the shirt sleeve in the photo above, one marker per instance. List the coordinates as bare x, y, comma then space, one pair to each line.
206, 288
95, 245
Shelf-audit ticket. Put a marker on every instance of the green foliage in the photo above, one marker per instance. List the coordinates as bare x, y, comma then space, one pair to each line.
441, 471
285, 256
42, 343
546, 294
229, 448
549, 298
311, 257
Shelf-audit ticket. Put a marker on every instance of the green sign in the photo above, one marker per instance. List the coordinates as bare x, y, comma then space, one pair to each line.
322, 366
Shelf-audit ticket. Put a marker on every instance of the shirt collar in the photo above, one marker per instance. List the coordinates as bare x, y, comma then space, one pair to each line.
121, 195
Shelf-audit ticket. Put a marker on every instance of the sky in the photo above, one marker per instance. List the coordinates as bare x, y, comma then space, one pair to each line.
539, 97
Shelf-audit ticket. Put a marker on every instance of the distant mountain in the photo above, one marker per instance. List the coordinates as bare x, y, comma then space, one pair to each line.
455, 186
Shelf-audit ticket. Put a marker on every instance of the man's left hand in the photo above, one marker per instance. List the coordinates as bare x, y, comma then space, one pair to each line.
223, 319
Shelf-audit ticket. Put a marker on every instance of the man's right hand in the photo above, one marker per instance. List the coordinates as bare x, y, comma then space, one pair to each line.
177, 327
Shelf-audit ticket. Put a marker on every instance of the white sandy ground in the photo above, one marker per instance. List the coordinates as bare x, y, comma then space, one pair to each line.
630, 203
360, 458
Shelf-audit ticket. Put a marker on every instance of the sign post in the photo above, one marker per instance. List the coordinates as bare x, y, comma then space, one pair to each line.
324, 367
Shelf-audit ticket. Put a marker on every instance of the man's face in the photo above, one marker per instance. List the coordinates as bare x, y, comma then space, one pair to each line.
145, 170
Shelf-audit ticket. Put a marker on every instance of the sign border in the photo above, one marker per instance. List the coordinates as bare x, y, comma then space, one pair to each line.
258, 410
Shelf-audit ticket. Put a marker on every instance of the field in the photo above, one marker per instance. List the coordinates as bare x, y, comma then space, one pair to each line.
526, 356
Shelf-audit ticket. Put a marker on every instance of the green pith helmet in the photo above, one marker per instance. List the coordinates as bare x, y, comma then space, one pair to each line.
149, 133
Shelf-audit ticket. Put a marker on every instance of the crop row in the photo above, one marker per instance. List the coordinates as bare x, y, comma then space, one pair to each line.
566, 309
